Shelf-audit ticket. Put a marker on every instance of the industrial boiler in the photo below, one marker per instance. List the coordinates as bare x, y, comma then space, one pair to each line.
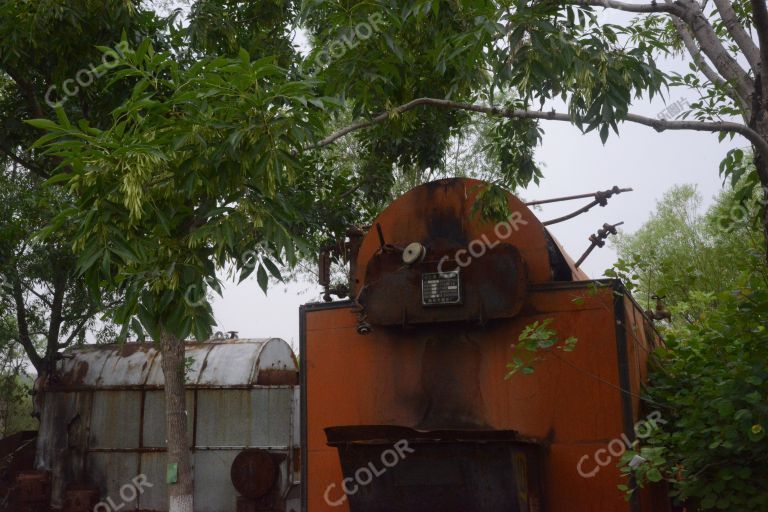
407, 399
101, 443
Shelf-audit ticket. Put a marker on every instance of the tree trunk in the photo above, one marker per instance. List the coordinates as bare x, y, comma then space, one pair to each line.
761, 166
180, 493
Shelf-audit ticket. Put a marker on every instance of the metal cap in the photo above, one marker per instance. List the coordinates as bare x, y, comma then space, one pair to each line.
414, 253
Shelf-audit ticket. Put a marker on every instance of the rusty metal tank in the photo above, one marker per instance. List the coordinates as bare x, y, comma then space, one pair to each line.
103, 425
406, 404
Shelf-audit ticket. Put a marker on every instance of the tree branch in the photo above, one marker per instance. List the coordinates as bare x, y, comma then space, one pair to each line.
706, 69
691, 13
760, 15
28, 90
760, 18
40, 296
22, 162
659, 125
695, 52
23, 326
55, 319
735, 28
75, 331
713, 48
630, 7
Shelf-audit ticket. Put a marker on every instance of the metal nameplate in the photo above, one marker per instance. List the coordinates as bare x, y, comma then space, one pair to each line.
440, 288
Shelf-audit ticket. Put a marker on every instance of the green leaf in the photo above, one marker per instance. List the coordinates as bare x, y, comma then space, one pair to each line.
43, 124
654, 475
272, 268
262, 278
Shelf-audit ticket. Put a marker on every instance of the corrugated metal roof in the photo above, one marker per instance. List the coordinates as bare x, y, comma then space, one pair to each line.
228, 363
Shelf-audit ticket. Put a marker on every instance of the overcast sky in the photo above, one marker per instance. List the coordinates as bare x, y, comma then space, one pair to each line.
640, 158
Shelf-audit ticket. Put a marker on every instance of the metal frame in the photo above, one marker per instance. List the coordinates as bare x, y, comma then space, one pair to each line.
304, 455
628, 419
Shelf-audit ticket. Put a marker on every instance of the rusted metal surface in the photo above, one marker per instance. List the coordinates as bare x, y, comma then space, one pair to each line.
110, 471
236, 362
495, 261
601, 198
115, 407
448, 377
383, 434
63, 439
600, 194
153, 465
32, 487
440, 216
213, 489
153, 424
266, 414
493, 287
253, 473
17, 454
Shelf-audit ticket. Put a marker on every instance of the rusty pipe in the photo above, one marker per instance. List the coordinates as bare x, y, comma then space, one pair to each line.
601, 198
613, 190
598, 240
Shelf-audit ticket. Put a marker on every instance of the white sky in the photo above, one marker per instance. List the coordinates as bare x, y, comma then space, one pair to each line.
647, 161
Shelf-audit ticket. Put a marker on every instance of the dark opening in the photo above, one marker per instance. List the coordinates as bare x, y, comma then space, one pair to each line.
471, 471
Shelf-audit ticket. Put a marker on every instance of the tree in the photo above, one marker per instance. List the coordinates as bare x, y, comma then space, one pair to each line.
687, 255
48, 57
51, 307
15, 401
39, 76
707, 382
453, 57
202, 168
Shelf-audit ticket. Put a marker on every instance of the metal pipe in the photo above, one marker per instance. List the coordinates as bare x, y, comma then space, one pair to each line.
571, 215
584, 256
601, 198
597, 240
615, 190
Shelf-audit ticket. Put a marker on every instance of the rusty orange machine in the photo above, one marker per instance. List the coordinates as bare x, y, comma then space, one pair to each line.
405, 405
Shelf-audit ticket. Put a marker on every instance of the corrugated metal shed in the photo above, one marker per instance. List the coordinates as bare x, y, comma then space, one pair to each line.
103, 417
229, 363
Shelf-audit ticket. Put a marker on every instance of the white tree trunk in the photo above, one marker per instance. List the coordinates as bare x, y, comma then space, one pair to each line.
181, 493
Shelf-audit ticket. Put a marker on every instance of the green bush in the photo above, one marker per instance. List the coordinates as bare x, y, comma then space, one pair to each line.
710, 384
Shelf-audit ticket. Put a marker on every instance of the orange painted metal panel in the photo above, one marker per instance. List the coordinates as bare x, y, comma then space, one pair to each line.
452, 377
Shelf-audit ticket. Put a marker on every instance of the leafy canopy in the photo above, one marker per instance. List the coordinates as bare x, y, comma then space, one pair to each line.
201, 168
